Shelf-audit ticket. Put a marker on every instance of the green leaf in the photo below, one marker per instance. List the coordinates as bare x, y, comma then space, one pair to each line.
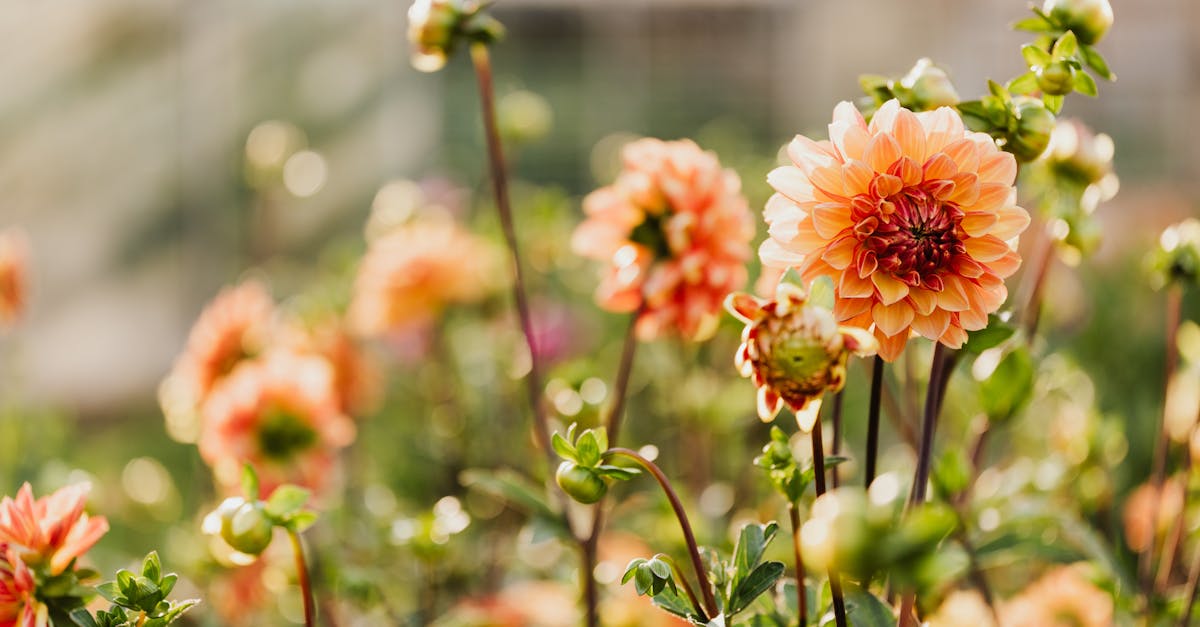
517, 491
1024, 84
670, 600
167, 583
661, 569
997, 90
249, 483
285, 501
1085, 84
866, 610
109, 591
1065, 47
834, 460
1035, 24
564, 448
1095, 61
643, 579
588, 448
760, 580
1053, 103
82, 618
301, 521
617, 472
820, 293
751, 544
631, 569
994, 334
1009, 386
152, 567
1035, 56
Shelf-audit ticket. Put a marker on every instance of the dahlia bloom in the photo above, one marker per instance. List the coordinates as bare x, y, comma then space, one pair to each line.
52, 531
409, 275
675, 232
963, 608
18, 606
14, 255
1062, 597
280, 413
794, 352
356, 377
234, 327
912, 217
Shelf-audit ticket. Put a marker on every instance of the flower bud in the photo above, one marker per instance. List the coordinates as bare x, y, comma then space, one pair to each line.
1056, 79
245, 526
431, 29
1088, 19
931, 87
580, 483
1035, 123
1178, 256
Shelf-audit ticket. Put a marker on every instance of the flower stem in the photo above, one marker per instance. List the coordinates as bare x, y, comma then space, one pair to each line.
483, 72
710, 602
1162, 444
835, 581
1190, 591
873, 418
687, 587
302, 576
801, 593
837, 434
933, 402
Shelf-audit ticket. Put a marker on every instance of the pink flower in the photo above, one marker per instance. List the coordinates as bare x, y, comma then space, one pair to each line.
18, 606
912, 217
14, 259
674, 231
52, 531
281, 414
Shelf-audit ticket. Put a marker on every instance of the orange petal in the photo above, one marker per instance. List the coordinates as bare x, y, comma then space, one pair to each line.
848, 308
890, 347
1007, 265
965, 154
830, 218
910, 135
857, 177
851, 286
998, 167
933, 325
922, 300
977, 223
890, 290
954, 337
941, 127
952, 298
992, 196
743, 306
986, 248
892, 319
829, 180
840, 254
881, 152
909, 172
1011, 222
940, 166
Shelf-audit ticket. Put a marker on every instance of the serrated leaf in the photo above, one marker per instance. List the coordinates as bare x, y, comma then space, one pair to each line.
760, 580
1009, 386
563, 448
1035, 56
285, 501
1096, 61
1065, 47
1085, 84
1024, 84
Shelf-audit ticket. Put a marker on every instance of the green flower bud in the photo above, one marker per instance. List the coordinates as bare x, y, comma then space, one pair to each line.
432, 26
931, 87
580, 483
1035, 123
1088, 19
1056, 79
246, 528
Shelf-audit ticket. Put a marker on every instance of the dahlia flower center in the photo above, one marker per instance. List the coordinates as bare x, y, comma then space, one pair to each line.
282, 434
912, 235
652, 234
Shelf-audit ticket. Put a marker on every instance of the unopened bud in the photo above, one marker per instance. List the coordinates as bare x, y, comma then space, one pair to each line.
1088, 19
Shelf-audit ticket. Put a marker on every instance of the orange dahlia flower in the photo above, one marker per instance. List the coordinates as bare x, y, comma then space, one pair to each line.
18, 606
410, 274
234, 327
675, 231
14, 255
356, 377
794, 352
280, 413
1063, 596
912, 216
52, 531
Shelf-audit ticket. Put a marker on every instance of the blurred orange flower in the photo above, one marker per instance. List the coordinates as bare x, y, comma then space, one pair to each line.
1062, 597
1150, 511
912, 216
234, 327
14, 259
675, 231
794, 351
52, 531
281, 414
18, 606
357, 379
410, 274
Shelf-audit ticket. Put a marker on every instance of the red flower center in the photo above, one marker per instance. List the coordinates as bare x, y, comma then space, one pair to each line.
913, 235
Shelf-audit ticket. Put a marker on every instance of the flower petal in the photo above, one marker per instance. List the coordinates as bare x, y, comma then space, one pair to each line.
998, 167
977, 223
791, 182
910, 135
881, 152
829, 219
892, 319
942, 126
932, 326
840, 254
986, 248
890, 290
940, 166
890, 347
1012, 221
769, 404
851, 286
806, 416
992, 196
922, 300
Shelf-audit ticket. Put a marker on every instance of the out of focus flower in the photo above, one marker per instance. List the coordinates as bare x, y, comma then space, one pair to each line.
1079, 154
1062, 597
794, 351
524, 117
357, 379
1177, 259
930, 86
675, 231
52, 531
437, 27
411, 274
281, 415
963, 608
912, 217
529, 604
239, 593
14, 259
233, 328
1088, 19
624, 607
18, 606
1150, 511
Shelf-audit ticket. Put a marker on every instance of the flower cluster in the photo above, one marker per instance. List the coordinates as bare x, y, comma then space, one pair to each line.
674, 231
255, 387
912, 217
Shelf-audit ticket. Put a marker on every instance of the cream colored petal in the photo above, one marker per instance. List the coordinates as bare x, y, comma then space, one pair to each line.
808, 154
885, 118
998, 167
942, 126
881, 152
769, 404
850, 140
791, 182
806, 417
910, 135
773, 254
859, 341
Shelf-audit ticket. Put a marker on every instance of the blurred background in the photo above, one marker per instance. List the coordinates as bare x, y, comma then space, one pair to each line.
133, 135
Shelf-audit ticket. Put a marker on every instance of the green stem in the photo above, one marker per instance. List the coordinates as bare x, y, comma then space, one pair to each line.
801, 593
687, 587
710, 602
302, 576
533, 384
835, 580
837, 435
